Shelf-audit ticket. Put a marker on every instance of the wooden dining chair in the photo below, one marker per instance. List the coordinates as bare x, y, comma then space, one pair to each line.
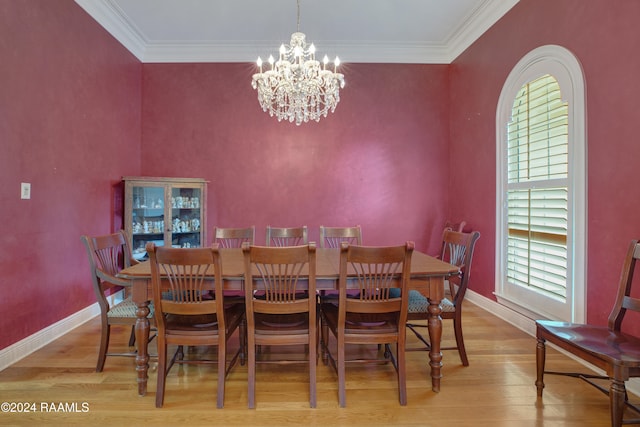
454, 226
457, 249
179, 280
108, 254
332, 237
375, 316
287, 236
616, 352
234, 237
280, 289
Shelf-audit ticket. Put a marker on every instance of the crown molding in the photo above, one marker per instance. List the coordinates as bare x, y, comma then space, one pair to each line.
356, 53
476, 25
115, 21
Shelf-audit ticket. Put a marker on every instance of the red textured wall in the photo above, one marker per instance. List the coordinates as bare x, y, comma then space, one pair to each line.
605, 37
69, 125
379, 161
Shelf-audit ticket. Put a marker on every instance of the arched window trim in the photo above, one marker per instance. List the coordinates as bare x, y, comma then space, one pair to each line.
564, 66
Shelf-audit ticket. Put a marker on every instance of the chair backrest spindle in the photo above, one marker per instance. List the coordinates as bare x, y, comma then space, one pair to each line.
287, 236
332, 237
234, 237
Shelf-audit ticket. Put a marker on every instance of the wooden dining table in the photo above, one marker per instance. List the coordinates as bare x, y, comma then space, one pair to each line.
428, 276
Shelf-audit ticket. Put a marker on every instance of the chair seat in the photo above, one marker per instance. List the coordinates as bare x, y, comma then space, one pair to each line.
329, 296
127, 308
228, 295
615, 347
191, 323
278, 324
418, 303
374, 323
194, 324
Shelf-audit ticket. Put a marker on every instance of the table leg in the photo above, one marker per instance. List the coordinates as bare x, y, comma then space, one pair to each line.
142, 342
435, 336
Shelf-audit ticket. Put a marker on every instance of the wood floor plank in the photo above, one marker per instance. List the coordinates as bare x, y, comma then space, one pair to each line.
497, 389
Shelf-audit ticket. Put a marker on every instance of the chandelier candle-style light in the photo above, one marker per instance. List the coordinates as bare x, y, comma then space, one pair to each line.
296, 87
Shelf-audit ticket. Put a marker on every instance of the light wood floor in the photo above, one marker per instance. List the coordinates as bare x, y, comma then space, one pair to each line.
497, 389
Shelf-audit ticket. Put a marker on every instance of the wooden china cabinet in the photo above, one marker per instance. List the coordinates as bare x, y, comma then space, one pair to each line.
166, 211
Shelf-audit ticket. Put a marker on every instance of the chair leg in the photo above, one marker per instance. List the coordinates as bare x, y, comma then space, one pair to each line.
222, 369
242, 337
617, 394
162, 371
104, 345
387, 351
251, 372
540, 361
324, 341
341, 373
318, 340
179, 353
457, 327
402, 373
132, 337
313, 363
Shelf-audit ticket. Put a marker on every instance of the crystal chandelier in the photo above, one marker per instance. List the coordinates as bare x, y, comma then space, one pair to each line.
296, 87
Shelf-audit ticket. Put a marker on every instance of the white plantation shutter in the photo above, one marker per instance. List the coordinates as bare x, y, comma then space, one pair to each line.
541, 179
537, 189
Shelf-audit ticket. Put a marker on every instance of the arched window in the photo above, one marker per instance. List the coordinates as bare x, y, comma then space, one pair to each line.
541, 187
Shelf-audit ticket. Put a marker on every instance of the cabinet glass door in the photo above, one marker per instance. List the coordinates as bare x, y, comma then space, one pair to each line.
148, 222
165, 211
186, 217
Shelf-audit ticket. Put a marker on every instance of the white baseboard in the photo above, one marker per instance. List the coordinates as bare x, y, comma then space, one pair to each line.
529, 326
23, 348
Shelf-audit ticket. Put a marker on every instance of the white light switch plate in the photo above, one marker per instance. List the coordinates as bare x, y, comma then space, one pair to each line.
25, 190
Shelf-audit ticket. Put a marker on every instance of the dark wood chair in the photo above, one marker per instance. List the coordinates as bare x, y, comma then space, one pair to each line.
108, 254
615, 352
457, 249
280, 289
179, 280
375, 316
332, 237
234, 237
454, 226
287, 236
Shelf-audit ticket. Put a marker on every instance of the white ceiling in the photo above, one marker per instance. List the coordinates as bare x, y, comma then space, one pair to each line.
377, 31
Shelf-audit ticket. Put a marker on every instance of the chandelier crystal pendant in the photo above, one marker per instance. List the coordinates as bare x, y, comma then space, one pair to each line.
297, 87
